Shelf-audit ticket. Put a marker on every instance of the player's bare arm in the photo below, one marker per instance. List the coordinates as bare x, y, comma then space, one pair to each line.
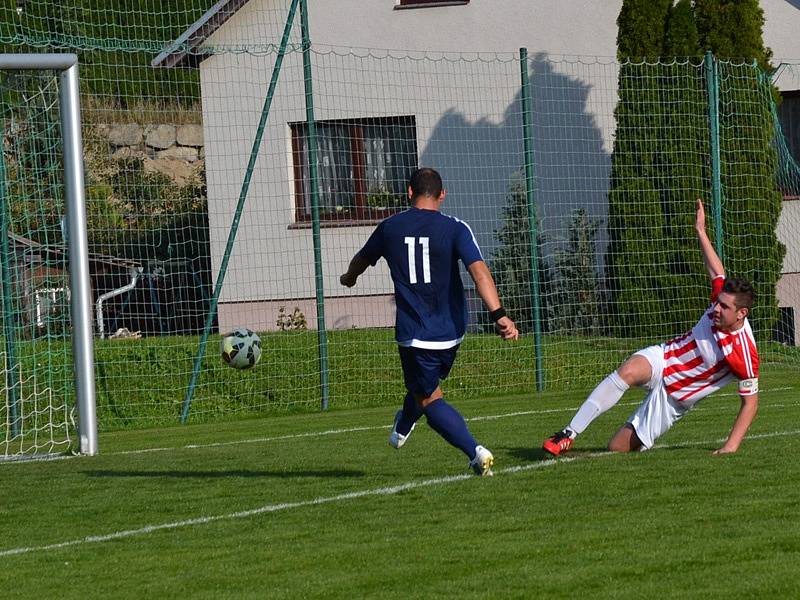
747, 412
357, 266
487, 290
710, 256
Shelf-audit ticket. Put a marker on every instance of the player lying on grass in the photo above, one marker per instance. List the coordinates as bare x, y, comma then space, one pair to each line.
422, 248
681, 372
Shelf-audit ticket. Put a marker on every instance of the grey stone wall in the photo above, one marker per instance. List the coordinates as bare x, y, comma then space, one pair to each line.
176, 151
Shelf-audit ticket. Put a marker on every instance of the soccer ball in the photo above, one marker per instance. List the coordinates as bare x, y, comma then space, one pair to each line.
241, 348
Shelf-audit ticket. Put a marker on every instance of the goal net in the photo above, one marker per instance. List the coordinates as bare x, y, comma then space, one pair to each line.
42, 271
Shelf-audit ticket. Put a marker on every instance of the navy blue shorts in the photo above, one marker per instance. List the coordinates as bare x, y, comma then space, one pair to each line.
423, 369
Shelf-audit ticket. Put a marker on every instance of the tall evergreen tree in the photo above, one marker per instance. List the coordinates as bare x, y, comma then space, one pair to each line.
636, 220
731, 29
640, 29
576, 291
685, 174
661, 162
682, 38
751, 203
511, 264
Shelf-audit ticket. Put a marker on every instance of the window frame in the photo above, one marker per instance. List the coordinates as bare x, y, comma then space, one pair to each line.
361, 213
406, 4
793, 145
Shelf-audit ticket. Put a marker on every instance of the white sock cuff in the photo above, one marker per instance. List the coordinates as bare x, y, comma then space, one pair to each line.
617, 381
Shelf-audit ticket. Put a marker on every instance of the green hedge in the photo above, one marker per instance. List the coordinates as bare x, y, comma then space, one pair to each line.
115, 42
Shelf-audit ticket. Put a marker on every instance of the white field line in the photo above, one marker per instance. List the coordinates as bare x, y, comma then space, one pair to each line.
309, 434
382, 491
269, 508
522, 413
293, 436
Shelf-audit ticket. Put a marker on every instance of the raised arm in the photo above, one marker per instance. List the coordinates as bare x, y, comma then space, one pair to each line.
487, 290
710, 257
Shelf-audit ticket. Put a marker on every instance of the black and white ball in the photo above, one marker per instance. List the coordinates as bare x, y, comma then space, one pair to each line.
241, 348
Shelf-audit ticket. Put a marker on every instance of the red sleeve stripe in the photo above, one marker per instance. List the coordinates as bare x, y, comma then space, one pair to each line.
747, 350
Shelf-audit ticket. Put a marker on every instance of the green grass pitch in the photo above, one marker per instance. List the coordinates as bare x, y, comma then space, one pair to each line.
318, 505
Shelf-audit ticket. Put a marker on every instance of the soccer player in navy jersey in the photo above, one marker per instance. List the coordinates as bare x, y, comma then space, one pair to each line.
422, 247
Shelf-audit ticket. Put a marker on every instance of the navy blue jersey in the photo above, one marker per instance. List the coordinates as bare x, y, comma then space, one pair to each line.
422, 248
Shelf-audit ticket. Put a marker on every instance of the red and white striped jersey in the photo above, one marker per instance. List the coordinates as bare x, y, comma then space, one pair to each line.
706, 359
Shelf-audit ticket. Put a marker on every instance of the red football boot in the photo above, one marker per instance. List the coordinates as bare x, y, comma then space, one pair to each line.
558, 443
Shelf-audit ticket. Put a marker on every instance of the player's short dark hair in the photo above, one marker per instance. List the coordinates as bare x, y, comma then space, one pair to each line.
741, 290
425, 182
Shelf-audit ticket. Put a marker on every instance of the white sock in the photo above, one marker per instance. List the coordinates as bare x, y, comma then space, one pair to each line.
602, 398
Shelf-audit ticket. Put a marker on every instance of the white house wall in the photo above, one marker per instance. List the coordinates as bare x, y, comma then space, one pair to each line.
273, 263
453, 99
781, 26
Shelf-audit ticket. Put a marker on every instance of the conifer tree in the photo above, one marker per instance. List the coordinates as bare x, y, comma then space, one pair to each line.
576, 290
661, 162
751, 202
682, 39
636, 219
685, 174
511, 264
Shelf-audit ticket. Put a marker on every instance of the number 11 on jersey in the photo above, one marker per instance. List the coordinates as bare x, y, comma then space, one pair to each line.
411, 242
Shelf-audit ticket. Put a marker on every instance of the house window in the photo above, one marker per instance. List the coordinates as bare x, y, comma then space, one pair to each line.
421, 3
363, 167
784, 329
789, 117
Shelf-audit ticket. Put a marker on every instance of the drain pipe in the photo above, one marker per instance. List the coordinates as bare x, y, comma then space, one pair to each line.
135, 272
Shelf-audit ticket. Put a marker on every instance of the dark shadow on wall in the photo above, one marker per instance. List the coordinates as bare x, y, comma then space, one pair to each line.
479, 159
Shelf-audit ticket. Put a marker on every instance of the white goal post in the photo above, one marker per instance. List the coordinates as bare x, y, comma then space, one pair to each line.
66, 65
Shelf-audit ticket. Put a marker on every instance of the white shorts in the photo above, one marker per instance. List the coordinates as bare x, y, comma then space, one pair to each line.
658, 412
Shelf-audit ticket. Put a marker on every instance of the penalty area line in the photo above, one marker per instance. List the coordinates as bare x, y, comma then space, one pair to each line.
328, 432
311, 434
272, 508
382, 491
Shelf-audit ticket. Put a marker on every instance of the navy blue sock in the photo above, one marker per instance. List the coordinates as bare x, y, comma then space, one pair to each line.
411, 414
448, 423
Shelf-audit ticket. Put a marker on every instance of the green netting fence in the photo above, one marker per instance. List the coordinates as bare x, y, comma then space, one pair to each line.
588, 227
